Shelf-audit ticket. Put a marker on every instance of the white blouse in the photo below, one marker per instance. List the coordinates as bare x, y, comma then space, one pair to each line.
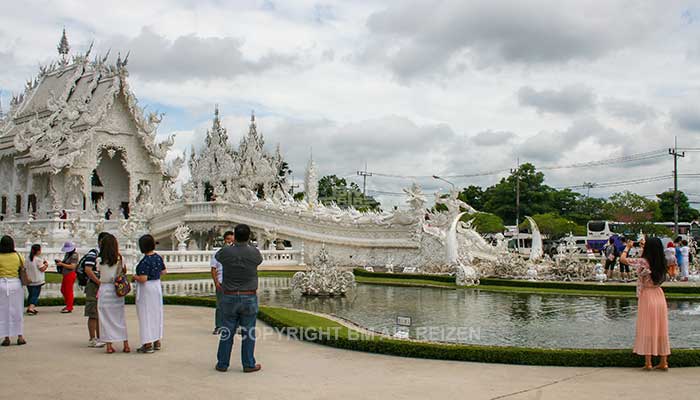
108, 272
36, 277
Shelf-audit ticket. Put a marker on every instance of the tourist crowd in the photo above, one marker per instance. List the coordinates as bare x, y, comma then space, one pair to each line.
103, 275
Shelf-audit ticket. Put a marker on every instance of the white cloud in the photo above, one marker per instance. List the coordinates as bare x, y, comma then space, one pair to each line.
413, 89
569, 100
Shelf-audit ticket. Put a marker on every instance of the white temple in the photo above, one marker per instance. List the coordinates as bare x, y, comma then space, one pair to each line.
76, 140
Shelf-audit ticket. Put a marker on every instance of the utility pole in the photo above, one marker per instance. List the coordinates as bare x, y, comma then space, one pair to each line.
293, 186
589, 186
517, 203
674, 152
364, 174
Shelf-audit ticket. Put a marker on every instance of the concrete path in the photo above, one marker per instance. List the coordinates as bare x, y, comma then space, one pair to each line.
50, 367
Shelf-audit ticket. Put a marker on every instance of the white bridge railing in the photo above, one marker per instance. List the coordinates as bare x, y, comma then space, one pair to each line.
184, 260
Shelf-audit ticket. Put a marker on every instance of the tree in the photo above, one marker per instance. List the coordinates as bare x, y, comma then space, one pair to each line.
485, 222
632, 208
473, 195
535, 197
590, 208
332, 189
685, 212
555, 226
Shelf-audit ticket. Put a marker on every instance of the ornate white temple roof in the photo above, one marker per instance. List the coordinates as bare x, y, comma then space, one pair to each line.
51, 122
248, 166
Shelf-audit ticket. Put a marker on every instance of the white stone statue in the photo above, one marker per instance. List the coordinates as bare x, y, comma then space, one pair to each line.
182, 235
537, 249
323, 279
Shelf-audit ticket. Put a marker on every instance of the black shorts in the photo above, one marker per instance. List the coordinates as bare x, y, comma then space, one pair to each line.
610, 265
624, 268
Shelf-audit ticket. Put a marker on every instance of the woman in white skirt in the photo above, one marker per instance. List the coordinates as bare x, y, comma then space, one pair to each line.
110, 306
149, 295
11, 292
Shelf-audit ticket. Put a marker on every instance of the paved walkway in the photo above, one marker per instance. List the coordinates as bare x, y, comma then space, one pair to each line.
50, 365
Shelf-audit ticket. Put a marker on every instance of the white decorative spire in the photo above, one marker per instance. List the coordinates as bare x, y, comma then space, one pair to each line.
311, 183
217, 133
63, 48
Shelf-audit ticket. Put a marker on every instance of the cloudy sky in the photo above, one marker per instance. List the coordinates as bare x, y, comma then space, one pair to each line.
410, 88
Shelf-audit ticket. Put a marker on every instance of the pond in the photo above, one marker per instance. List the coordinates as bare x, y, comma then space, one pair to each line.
479, 317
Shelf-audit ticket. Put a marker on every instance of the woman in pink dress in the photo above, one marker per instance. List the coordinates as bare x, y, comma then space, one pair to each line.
652, 311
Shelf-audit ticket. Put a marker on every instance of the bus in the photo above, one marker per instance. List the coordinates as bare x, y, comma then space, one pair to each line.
598, 232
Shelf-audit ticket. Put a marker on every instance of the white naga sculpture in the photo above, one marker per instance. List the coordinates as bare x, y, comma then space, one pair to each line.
537, 249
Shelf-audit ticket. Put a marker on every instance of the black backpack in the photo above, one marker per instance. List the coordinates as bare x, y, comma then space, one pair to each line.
81, 276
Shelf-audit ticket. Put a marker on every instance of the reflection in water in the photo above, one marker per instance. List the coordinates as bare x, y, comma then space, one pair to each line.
475, 316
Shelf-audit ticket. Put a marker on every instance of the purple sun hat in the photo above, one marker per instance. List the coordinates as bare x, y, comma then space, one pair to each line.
67, 247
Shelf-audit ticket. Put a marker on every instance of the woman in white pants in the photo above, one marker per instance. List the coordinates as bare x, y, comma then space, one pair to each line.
149, 295
11, 293
110, 306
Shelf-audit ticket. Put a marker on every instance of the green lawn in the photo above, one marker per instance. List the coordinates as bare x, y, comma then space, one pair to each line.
371, 280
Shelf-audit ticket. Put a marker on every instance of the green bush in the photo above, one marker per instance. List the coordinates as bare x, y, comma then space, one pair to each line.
578, 286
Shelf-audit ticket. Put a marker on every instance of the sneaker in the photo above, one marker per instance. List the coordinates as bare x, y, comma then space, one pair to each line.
92, 343
145, 350
99, 344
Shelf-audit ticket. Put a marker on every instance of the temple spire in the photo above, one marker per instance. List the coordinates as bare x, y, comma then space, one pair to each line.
63, 48
253, 129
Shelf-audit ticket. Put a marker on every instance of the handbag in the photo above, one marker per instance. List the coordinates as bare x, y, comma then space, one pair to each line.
22, 271
121, 283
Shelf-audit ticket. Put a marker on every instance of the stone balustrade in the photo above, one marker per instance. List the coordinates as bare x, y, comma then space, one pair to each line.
184, 260
195, 287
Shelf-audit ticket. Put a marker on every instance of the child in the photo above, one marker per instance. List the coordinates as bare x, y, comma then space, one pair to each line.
670, 255
685, 256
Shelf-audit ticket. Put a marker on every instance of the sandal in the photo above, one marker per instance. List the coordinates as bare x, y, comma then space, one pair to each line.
663, 368
156, 346
110, 350
21, 341
145, 350
126, 350
66, 311
5, 342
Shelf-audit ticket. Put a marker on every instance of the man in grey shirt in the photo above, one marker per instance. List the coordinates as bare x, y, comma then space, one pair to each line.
239, 303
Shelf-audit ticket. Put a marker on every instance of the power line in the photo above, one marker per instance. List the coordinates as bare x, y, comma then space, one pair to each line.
622, 183
659, 153
364, 174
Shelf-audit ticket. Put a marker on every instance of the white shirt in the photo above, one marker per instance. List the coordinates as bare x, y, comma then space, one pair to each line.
36, 277
214, 263
685, 253
108, 272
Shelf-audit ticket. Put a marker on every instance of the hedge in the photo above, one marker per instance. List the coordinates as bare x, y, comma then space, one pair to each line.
285, 320
529, 284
